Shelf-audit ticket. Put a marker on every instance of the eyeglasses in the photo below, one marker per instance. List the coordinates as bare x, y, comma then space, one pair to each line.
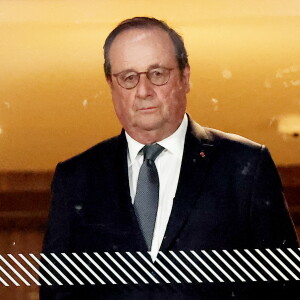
130, 79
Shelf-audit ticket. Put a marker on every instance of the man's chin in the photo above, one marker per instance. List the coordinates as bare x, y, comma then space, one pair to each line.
148, 124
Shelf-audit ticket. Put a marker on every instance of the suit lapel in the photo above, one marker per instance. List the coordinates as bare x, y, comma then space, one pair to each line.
120, 209
124, 198
198, 151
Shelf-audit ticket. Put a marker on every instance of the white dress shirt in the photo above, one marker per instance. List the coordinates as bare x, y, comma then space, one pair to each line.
168, 165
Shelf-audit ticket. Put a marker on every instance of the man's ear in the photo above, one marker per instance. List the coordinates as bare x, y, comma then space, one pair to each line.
186, 78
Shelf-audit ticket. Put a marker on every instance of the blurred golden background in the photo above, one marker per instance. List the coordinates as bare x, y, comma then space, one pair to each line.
245, 75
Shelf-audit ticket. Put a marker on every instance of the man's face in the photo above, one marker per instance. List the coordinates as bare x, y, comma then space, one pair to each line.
148, 112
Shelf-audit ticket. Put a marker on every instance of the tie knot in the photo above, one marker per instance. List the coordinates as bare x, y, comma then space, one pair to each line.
151, 151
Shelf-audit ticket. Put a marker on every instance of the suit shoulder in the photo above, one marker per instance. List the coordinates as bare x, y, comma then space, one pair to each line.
236, 148
239, 153
98, 152
219, 137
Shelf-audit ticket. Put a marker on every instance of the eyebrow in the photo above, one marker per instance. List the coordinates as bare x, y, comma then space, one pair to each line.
149, 68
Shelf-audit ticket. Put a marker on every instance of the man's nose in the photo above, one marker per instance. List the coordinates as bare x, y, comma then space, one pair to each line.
144, 88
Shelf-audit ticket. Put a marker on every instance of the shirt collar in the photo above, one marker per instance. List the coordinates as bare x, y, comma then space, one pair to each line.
173, 143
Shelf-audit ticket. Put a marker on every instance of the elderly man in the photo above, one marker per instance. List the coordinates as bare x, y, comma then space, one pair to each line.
165, 183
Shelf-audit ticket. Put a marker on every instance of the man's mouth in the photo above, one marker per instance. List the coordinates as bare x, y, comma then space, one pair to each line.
148, 108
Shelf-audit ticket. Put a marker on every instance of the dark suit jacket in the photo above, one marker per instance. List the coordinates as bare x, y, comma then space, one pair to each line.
228, 198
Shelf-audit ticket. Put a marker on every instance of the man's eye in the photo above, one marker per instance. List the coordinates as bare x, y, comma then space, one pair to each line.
157, 73
129, 77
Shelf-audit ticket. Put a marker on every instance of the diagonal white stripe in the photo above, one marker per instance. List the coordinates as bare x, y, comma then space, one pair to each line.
228, 265
295, 255
35, 269
175, 267
153, 267
167, 270
250, 265
231, 264
45, 268
121, 268
271, 264
195, 266
217, 265
131, 267
77, 268
185, 266
3, 281
91, 271
110, 268
14, 270
23, 269
99, 268
260, 264
66, 267
55, 268
142, 267
239, 265
207, 266
288, 259
282, 264
8, 276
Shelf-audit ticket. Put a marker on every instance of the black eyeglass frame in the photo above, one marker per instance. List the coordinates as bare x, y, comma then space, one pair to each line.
147, 75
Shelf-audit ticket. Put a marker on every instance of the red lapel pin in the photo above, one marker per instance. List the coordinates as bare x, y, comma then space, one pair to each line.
202, 154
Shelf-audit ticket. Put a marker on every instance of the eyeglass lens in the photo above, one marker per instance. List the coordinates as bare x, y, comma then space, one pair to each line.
130, 79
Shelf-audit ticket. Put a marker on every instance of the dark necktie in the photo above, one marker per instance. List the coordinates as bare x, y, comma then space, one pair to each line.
147, 192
